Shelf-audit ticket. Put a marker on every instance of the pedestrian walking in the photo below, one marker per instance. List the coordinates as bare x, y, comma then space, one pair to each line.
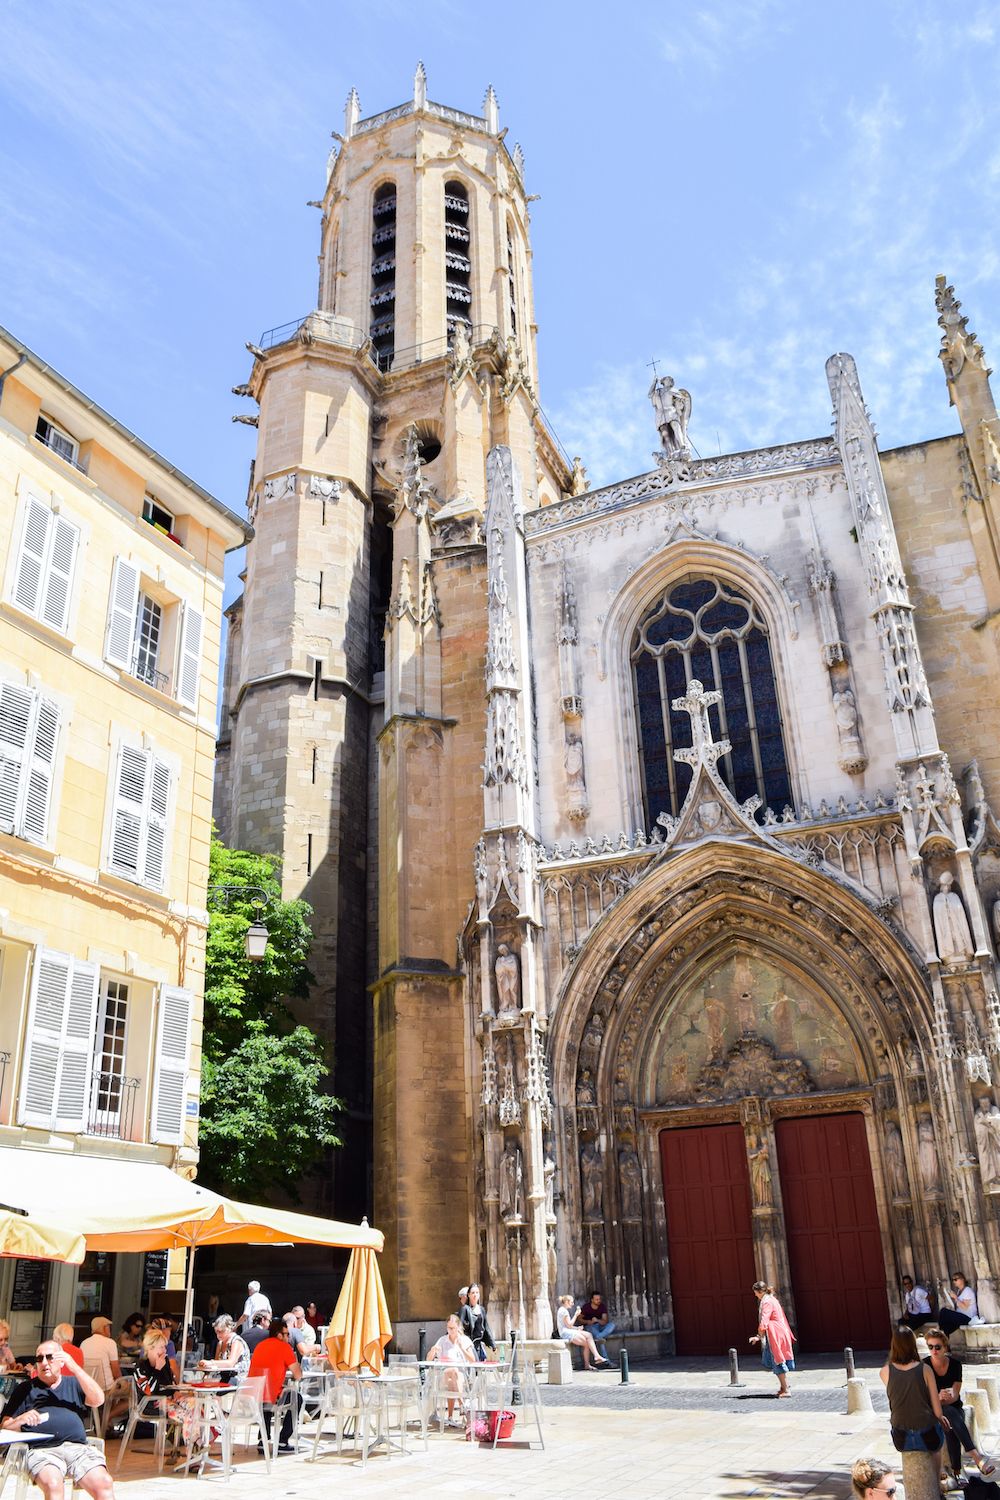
773, 1335
475, 1325
918, 1423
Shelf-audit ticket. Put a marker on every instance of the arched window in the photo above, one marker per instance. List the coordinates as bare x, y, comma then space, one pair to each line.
383, 299
457, 259
702, 628
511, 282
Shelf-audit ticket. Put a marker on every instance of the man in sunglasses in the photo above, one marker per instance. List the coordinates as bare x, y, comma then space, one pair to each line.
53, 1403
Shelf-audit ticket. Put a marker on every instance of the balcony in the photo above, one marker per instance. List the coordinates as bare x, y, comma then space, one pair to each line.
144, 670
112, 1112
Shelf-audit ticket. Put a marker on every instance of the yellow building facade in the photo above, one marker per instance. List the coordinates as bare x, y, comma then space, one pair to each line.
111, 582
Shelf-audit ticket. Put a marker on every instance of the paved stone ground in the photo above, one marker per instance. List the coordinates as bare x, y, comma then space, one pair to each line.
612, 1440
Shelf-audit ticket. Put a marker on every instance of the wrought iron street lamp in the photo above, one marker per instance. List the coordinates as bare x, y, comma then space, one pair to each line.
256, 934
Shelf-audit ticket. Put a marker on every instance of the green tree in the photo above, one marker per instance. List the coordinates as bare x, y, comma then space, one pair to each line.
265, 1118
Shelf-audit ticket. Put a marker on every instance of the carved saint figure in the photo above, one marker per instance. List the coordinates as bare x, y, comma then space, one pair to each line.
593, 1186
630, 1176
927, 1158
508, 981
988, 1142
549, 1174
585, 1091
672, 409
579, 483
951, 925
511, 1174
573, 764
460, 346
845, 711
895, 1163
760, 1173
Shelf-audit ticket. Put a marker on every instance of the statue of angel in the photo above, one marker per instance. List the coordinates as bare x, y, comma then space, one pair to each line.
672, 409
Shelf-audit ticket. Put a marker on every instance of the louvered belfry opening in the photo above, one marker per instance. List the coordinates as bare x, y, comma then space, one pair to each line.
383, 298
457, 260
511, 283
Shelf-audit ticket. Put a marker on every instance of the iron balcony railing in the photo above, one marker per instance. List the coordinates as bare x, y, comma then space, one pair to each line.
112, 1112
144, 670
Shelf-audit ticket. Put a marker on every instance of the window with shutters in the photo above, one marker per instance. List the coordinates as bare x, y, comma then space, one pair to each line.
44, 564
173, 1038
153, 636
59, 1050
29, 740
108, 1084
141, 805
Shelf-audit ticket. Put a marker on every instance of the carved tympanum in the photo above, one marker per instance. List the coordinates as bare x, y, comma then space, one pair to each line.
752, 1066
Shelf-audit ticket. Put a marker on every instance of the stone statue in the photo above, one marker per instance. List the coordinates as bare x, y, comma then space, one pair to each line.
951, 925
988, 1142
845, 710
511, 1175
630, 1176
508, 981
927, 1158
579, 483
593, 1185
760, 1174
573, 764
672, 409
895, 1162
549, 1175
550, 1250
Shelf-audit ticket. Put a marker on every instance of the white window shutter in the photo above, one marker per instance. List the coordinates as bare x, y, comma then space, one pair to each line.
120, 637
129, 813
34, 823
77, 1060
50, 985
189, 663
173, 1035
17, 707
58, 590
156, 825
29, 576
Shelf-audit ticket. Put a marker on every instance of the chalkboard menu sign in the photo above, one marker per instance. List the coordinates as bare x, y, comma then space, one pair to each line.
154, 1271
31, 1280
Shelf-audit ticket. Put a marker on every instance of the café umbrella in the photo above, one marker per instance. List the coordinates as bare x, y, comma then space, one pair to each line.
360, 1328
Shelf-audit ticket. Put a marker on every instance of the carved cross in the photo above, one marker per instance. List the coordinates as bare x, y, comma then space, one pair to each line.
704, 750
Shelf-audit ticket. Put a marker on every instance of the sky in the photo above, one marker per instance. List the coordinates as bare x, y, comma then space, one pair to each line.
737, 189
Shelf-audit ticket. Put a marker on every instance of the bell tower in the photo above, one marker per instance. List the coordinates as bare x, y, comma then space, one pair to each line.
357, 661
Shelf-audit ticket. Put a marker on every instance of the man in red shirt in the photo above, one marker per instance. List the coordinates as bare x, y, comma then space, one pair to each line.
63, 1334
273, 1358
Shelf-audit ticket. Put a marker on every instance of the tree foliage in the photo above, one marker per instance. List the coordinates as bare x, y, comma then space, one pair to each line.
265, 1116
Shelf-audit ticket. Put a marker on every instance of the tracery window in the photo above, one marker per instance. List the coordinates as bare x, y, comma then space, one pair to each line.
383, 297
457, 257
702, 628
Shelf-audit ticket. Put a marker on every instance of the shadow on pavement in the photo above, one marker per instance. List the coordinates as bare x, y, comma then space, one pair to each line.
766, 1484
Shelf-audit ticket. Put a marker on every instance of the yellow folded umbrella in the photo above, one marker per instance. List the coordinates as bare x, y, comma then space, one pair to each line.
31, 1238
360, 1327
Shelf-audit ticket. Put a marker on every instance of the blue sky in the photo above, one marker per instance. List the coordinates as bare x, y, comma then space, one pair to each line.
738, 189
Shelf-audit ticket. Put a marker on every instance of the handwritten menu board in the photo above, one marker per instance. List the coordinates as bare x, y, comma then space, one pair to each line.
31, 1280
154, 1271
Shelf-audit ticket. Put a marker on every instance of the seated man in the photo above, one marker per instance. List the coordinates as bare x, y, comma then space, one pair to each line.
274, 1358
101, 1351
916, 1305
56, 1397
594, 1317
258, 1331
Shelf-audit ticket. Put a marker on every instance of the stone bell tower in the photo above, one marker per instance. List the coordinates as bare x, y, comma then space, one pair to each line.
354, 720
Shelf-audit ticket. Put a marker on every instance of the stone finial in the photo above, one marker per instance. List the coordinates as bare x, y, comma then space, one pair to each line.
491, 109
517, 157
420, 87
352, 114
958, 345
704, 750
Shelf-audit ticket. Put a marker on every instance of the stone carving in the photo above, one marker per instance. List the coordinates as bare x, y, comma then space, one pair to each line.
592, 1180
490, 1095
752, 1066
573, 766
927, 1159
760, 1172
958, 345
549, 1175
508, 981
895, 1163
630, 1177
852, 757
672, 409
324, 487
987, 1123
586, 1102
510, 1105
279, 487
460, 353
579, 483
511, 1179
951, 925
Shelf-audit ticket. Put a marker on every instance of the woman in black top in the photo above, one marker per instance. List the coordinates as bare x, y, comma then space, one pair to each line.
474, 1324
947, 1372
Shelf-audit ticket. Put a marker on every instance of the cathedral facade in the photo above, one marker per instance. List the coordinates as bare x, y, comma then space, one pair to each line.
648, 829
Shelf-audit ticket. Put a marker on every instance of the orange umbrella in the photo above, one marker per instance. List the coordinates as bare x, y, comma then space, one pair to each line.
360, 1327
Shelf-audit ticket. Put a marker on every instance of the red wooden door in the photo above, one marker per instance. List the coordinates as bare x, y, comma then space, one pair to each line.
706, 1191
834, 1244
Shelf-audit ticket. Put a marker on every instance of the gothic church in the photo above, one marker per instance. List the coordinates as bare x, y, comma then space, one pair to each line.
648, 829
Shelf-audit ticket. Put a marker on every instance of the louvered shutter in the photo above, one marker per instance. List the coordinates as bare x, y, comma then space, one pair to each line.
129, 813
77, 1059
156, 824
50, 985
172, 1038
29, 576
40, 769
189, 662
57, 591
16, 714
120, 638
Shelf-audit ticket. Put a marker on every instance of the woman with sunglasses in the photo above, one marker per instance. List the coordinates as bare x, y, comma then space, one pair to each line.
873, 1479
947, 1372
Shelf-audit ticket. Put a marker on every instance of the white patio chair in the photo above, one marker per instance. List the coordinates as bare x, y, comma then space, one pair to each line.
491, 1388
403, 1405
244, 1410
341, 1406
148, 1409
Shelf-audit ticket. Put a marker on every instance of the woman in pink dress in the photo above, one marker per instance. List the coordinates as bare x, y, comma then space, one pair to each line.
773, 1335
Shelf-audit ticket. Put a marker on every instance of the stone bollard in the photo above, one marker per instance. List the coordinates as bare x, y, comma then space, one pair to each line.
849, 1363
859, 1397
979, 1404
991, 1385
920, 1476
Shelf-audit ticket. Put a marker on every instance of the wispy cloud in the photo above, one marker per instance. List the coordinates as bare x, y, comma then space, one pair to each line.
707, 36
